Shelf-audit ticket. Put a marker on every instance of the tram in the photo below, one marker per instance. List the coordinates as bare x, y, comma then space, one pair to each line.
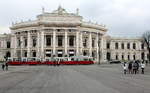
74, 60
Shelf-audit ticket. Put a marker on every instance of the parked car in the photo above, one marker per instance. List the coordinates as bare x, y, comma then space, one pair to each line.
114, 62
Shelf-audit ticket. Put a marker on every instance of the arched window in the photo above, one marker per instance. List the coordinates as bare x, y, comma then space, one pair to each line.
108, 56
128, 57
108, 45
134, 46
116, 56
134, 57
122, 45
128, 46
116, 45
122, 56
142, 55
142, 46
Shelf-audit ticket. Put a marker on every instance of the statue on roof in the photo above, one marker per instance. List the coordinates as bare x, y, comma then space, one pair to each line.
77, 11
60, 10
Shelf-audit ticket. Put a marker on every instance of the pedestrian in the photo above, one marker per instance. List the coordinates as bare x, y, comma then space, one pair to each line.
3, 67
137, 62
6, 66
142, 67
134, 67
125, 66
130, 67
146, 62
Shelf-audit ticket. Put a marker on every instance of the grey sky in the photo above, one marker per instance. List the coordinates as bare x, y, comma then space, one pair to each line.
122, 17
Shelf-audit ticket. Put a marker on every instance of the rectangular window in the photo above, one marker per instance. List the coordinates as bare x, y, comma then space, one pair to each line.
122, 46
93, 42
60, 40
116, 45
71, 41
48, 40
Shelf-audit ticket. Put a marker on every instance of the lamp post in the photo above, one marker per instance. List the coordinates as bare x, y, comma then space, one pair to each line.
99, 52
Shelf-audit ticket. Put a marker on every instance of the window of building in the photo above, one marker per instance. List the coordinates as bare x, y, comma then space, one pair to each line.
122, 57
142, 46
34, 54
142, 55
25, 42
116, 45
8, 44
117, 57
71, 41
128, 57
48, 40
147, 56
85, 53
85, 42
108, 56
60, 40
134, 57
93, 42
128, 46
19, 42
108, 45
25, 54
8, 54
122, 45
134, 46
34, 42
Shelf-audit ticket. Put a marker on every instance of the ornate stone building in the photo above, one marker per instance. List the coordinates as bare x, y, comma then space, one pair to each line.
66, 34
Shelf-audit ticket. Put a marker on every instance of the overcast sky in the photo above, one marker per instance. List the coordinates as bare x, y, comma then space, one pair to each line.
121, 17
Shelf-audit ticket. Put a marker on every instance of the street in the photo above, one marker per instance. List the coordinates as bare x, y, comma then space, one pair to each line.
103, 78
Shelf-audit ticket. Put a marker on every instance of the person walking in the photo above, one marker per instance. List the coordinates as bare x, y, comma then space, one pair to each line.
6, 66
125, 66
130, 67
3, 67
142, 67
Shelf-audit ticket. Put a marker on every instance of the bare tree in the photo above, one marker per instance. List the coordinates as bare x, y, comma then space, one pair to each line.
146, 37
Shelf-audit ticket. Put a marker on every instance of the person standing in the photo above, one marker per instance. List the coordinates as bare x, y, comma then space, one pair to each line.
142, 67
3, 67
135, 67
125, 66
130, 67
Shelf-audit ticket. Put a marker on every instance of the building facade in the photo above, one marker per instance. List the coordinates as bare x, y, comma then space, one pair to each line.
60, 34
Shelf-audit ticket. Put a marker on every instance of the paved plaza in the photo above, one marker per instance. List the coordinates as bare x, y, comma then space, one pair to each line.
103, 78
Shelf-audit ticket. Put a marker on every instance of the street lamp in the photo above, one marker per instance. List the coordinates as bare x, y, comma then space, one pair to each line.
99, 52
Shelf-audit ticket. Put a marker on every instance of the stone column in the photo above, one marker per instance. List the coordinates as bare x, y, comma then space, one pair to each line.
102, 55
54, 42
66, 44
42, 44
38, 44
90, 44
81, 43
77, 43
97, 49
13, 46
29, 45
21, 46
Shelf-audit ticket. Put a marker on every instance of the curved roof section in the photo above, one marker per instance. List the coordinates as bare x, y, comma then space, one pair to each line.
59, 17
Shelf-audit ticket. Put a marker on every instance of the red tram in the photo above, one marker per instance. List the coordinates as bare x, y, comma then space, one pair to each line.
74, 60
